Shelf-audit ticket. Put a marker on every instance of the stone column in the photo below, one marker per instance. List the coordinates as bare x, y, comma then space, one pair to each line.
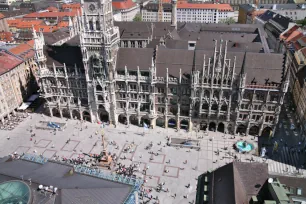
153, 122
70, 113
50, 110
190, 125
166, 122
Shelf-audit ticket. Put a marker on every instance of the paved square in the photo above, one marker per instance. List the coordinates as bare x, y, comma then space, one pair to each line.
151, 181
21, 149
70, 146
159, 159
43, 143
49, 153
130, 146
173, 171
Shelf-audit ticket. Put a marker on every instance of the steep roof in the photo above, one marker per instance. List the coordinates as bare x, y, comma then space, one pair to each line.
134, 57
121, 5
237, 182
8, 62
70, 55
176, 59
51, 14
53, 37
6, 36
23, 50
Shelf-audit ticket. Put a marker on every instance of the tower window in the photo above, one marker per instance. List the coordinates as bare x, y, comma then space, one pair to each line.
90, 25
98, 25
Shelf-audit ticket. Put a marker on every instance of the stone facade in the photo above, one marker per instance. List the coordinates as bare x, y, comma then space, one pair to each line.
215, 93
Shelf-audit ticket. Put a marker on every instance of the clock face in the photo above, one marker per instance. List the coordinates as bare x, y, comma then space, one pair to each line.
92, 7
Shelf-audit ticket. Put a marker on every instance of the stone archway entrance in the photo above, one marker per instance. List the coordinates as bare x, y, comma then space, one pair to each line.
172, 123
221, 127
203, 126
145, 119
55, 112
134, 120
212, 126
184, 124
267, 131
254, 130
160, 122
104, 116
241, 129
86, 116
66, 113
122, 119
76, 115
229, 129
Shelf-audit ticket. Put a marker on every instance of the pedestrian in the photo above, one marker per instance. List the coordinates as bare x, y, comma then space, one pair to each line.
174, 195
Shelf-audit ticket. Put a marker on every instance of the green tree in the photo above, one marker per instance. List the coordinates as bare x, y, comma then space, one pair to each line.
137, 17
301, 22
230, 20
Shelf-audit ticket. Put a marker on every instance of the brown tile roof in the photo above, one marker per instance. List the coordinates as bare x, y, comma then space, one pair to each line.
6, 36
221, 7
120, 5
63, 24
14, 22
28, 24
31, 43
24, 51
8, 62
45, 28
73, 6
51, 14
52, 9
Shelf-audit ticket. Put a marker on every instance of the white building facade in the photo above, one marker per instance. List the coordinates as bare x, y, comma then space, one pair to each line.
189, 12
204, 13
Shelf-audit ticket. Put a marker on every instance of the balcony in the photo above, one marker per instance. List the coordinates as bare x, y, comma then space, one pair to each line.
132, 78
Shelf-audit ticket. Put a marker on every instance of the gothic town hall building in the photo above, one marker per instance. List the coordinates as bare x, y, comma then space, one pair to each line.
187, 75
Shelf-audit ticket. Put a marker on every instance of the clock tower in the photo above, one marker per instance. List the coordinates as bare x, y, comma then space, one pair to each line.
99, 40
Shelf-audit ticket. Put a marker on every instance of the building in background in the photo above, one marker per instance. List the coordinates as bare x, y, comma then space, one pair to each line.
17, 77
240, 182
150, 12
128, 9
3, 23
292, 11
179, 75
189, 12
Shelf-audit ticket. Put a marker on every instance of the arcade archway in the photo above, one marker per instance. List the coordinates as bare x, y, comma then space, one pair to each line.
122, 119
160, 122
184, 124
221, 127
172, 123
241, 129
212, 126
254, 130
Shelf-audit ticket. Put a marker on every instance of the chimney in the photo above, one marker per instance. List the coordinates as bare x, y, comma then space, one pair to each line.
174, 14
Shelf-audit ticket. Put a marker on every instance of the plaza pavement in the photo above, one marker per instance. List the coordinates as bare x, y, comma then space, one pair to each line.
176, 179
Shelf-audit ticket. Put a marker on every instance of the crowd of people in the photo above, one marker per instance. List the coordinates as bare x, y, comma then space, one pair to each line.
11, 122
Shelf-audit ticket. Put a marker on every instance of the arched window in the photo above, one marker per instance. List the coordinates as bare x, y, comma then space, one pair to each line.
98, 25
98, 88
90, 25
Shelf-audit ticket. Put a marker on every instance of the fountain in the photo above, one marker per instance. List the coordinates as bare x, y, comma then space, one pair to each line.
244, 146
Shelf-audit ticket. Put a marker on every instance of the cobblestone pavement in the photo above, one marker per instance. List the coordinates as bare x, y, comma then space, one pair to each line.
178, 174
